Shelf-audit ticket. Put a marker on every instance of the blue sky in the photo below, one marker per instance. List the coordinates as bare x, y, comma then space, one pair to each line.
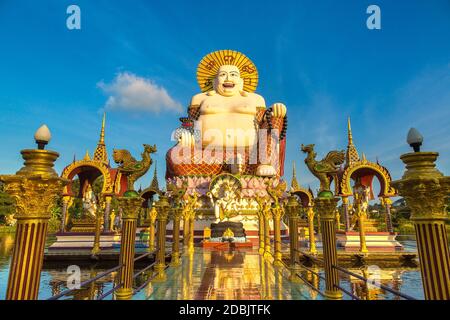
317, 57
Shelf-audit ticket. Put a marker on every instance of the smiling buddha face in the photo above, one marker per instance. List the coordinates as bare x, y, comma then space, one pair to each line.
228, 81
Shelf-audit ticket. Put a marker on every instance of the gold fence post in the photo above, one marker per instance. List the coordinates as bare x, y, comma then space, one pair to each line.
34, 189
326, 208
162, 206
426, 190
130, 209
176, 215
292, 210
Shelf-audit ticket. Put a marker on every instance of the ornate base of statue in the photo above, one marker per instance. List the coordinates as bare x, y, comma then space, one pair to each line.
83, 225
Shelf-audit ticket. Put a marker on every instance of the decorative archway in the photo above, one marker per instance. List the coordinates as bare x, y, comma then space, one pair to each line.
364, 171
90, 170
366, 168
305, 195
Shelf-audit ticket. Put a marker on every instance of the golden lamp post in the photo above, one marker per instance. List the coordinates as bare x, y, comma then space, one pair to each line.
426, 191
34, 188
151, 229
130, 204
261, 236
162, 206
326, 207
292, 211
176, 216
277, 214
267, 217
312, 238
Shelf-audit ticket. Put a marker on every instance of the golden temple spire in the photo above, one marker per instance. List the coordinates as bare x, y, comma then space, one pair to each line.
155, 185
87, 156
351, 156
294, 182
100, 153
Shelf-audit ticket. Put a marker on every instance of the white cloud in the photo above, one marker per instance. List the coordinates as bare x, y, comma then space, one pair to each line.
130, 92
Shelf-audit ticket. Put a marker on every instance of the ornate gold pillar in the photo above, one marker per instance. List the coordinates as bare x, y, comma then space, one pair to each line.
261, 232
346, 215
191, 231
130, 209
292, 210
162, 206
426, 190
185, 229
277, 213
151, 229
312, 237
34, 189
267, 246
176, 215
326, 207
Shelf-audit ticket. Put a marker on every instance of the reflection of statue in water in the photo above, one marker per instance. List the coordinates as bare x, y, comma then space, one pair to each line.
89, 202
230, 117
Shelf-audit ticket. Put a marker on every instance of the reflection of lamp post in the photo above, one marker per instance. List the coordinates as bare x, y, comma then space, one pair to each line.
34, 188
426, 190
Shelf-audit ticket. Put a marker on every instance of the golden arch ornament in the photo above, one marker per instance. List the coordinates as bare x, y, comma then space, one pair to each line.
210, 64
305, 195
68, 173
380, 172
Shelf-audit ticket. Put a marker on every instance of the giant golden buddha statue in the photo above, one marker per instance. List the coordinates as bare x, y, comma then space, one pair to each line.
228, 127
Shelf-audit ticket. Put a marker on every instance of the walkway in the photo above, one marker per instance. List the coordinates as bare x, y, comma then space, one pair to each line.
223, 275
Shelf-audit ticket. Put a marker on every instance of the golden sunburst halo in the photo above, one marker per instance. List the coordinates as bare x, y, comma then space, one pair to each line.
210, 64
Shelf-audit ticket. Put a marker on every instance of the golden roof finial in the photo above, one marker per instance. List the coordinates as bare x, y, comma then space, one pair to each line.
351, 156
102, 132
100, 153
155, 185
294, 182
87, 156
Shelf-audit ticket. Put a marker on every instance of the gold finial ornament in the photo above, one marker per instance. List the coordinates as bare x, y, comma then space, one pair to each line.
210, 64
351, 156
100, 153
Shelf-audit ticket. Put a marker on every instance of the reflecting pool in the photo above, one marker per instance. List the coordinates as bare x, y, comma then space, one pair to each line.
223, 275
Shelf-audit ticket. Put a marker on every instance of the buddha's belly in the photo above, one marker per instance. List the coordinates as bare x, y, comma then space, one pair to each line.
228, 130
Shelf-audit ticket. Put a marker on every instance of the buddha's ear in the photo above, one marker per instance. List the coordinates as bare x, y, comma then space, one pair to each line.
243, 93
211, 93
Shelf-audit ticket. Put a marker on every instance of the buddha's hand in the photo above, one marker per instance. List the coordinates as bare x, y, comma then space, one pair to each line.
186, 139
279, 110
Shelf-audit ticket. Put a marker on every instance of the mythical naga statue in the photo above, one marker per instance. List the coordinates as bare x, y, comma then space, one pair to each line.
229, 128
326, 169
132, 168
